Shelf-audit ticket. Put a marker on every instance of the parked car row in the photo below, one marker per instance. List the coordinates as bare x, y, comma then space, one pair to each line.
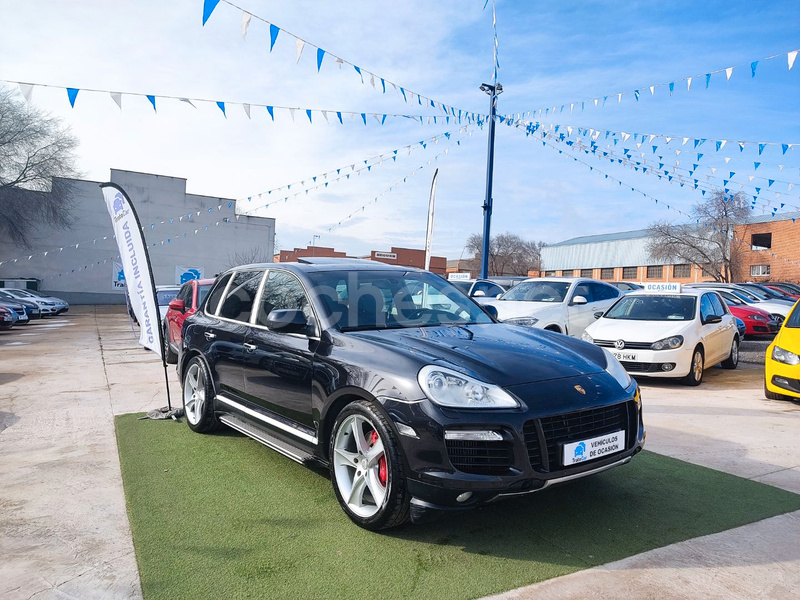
19, 307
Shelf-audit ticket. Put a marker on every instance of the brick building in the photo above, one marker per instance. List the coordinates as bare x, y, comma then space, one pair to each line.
407, 257
769, 250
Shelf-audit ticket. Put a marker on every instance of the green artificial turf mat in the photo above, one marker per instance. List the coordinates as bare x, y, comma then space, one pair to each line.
221, 516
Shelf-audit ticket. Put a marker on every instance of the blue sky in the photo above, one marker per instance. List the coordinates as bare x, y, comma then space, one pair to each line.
551, 54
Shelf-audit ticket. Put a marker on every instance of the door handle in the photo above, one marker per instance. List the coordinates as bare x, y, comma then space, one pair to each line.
209, 335
249, 347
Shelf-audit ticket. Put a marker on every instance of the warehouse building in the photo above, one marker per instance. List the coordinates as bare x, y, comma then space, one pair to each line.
769, 249
187, 235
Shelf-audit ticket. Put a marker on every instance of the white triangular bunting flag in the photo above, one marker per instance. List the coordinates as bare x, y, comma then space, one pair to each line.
688, 84
652, 90
189, 102
722, 144
291, 112
246, 109
727, 159
790, 57
117, 98
27, 91
684, 141
246, 16
372, 80
713, 170
789, 187
619, 98
751, 177
728, 73
325, 115
300, 45
340, 62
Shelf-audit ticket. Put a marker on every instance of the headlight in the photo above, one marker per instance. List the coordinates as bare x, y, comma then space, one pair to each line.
670, 343
450, 388
784, 356
524, 321
587, 338
616, 370
757, 317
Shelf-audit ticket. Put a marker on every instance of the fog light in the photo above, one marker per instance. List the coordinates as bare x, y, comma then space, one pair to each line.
667, 366
464, 497
473, 435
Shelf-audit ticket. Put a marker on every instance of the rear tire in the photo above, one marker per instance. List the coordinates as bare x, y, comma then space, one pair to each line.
169, 356
198, 398
695, 376
367, 468
733, 358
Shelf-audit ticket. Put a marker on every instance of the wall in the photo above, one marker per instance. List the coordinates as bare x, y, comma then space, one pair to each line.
83, 275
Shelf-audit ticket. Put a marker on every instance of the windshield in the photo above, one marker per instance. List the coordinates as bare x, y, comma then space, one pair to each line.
653, 308
202, 292
538, 291
730, 297
793, 321
746, 296
756, 292
362, 300
166, 296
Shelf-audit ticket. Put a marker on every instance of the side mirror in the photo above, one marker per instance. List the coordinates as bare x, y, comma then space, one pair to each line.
478, 294
712, 319
577, 300
490, 310
292, 320
177, 305
597, 315
498, 295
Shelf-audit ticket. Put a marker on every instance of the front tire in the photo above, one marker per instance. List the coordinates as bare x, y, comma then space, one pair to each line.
367, 469
198, 397
695, 376
733, 358
774, 396
169, 356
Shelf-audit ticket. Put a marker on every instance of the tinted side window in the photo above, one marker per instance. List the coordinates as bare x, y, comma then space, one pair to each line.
603, 292
584, 290
706, 307
719, 309
238, 304
215, 296
282, 291
185, 294
487, 288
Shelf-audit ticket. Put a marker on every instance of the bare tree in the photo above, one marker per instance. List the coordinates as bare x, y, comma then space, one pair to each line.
509, 254
709, 242
252, 255
36, 153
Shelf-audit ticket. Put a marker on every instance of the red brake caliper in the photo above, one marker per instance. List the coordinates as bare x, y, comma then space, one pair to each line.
373, 439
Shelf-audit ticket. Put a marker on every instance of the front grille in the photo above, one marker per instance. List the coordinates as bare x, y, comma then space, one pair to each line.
628, 345
481, 458
641, 367
572, 427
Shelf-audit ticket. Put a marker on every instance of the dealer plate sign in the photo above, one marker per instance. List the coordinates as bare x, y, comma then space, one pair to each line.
597, 447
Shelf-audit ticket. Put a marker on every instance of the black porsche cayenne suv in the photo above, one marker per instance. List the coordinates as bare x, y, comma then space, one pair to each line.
416, 398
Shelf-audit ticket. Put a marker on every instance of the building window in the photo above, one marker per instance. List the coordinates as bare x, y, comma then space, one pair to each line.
586, 272
607, 273
682, 271
761, 241
549, 273
566, 273
630, 272
759, 270
655, 271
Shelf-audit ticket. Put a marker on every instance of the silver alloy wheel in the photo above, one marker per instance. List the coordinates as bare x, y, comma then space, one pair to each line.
360, 466
735, 352
194, 394
697, 365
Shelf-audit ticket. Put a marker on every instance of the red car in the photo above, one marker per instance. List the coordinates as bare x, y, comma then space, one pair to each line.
783, 290
756, 320
189, 298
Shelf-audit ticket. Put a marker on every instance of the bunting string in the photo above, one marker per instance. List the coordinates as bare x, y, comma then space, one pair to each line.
320, 54
703, 79
330, 115
674, 172
662, 204
322, 180
391, 188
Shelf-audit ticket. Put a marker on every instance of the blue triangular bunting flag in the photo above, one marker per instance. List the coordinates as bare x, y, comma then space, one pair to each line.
208, 8
320, 54
72, 93
152, 101
274, 30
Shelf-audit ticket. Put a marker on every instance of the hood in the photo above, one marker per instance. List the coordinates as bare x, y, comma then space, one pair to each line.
635, 331
743, 311
502, 354
508, 309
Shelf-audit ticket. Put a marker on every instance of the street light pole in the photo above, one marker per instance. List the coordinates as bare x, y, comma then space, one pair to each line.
493, 91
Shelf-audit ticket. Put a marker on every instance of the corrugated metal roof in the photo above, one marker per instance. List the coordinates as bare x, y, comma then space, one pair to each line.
603, 237
777, 218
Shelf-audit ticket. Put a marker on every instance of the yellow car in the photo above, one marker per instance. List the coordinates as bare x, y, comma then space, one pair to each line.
782, 364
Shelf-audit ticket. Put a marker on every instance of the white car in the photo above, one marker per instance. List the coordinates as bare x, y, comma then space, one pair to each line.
562, 304
48, 305
777, 308
659, 334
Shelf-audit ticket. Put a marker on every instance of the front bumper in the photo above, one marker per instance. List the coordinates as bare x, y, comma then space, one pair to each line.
650, 363
447, 476
781, 378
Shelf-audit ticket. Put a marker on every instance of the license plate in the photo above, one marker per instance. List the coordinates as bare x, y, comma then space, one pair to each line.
626, 356
597, 447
